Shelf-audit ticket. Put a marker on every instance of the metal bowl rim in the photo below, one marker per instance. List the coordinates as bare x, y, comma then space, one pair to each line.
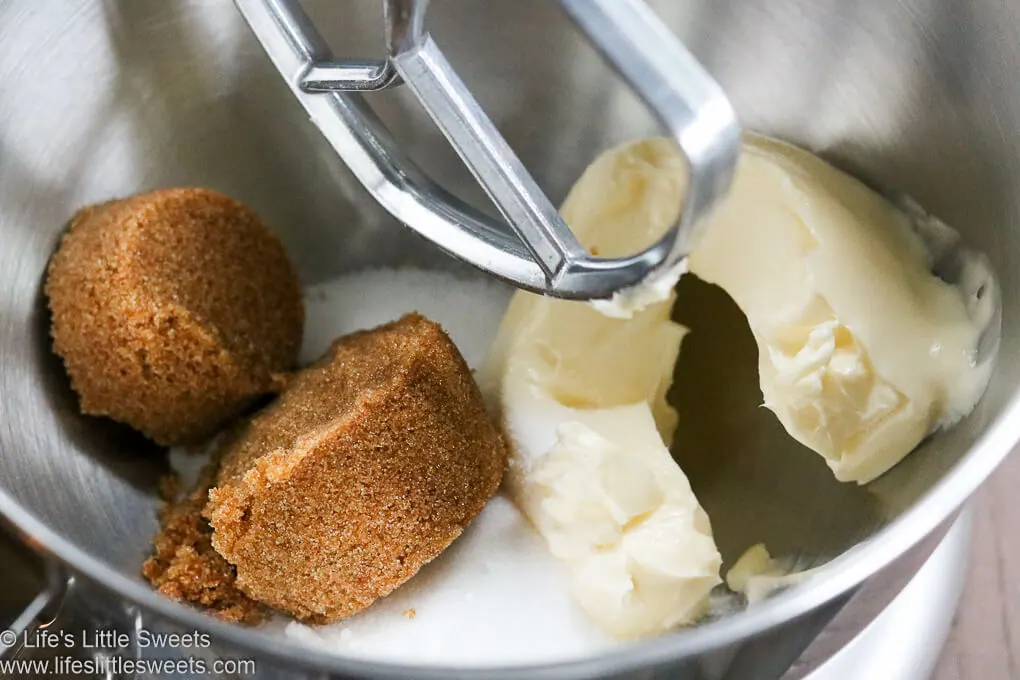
845, 573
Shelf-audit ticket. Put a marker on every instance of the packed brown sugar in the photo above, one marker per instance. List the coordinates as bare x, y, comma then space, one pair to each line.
185, 566
173, 310
365, 468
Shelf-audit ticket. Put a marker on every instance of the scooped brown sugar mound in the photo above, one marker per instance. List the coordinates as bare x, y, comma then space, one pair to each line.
173, 310
186, 567
367, 466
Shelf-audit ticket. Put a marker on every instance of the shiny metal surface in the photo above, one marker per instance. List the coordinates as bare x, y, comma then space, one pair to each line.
683, 96
104, 99
904, 641
686, 100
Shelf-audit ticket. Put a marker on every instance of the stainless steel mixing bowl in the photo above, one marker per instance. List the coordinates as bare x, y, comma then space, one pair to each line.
101, 99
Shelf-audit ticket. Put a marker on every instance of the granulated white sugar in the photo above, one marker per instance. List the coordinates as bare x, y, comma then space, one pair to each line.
496, 596
188, 463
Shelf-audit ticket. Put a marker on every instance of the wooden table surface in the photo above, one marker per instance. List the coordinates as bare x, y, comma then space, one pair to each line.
985, 640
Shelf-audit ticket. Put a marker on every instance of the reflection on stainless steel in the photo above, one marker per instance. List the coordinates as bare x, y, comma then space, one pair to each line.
919, 96
23, 577
683, 96
902, 638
